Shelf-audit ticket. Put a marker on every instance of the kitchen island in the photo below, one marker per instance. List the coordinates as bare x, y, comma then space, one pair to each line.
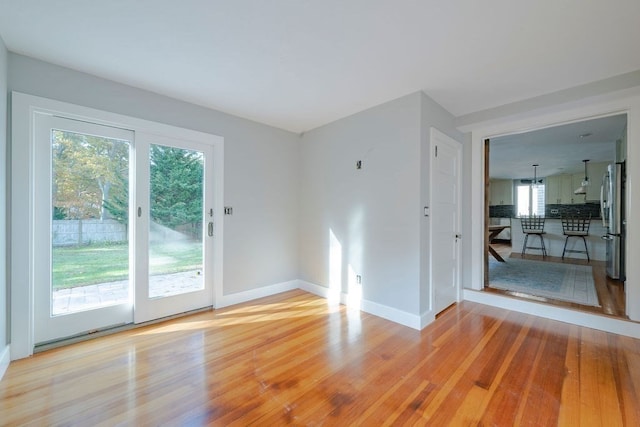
554, 240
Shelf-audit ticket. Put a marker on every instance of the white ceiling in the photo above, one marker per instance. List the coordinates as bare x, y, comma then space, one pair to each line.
301, 64
559, 149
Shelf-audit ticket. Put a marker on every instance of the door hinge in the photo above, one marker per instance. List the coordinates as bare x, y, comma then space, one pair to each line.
436, 151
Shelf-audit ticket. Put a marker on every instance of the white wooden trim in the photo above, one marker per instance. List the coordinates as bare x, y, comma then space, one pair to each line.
427, 318
5, 358
393, 314
252, 294
21, 231
389, 313
580, 318
622, 103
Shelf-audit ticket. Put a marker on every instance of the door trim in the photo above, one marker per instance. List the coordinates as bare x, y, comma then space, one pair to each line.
487, 148
23, 109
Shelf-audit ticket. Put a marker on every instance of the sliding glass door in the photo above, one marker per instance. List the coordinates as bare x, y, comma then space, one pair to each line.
123, 225
82, 251
175, 228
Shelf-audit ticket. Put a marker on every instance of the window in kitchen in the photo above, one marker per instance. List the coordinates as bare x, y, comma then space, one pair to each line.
530, 199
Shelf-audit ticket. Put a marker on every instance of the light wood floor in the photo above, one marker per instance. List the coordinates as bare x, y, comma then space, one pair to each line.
610, 292
292, 359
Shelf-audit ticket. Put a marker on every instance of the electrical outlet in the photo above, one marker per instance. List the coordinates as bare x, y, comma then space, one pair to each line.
359, 164
359, 279
228, 210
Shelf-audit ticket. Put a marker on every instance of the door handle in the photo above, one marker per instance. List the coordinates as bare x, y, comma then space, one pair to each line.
210, 227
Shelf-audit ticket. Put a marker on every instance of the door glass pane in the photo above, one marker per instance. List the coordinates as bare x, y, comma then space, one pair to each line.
89, 238
176, 221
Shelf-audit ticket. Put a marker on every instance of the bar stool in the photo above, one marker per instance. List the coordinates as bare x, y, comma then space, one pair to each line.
576, 227
533, 226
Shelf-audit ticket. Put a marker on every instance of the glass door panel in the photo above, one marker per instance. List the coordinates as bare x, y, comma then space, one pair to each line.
175, 221
89, 239
174, 226
81, 231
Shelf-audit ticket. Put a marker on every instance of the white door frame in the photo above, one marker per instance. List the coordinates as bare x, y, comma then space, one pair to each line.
434, 135
24, 107
626, 102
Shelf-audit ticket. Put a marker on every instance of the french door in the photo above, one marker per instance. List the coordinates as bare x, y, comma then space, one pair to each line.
174, 227
123, 225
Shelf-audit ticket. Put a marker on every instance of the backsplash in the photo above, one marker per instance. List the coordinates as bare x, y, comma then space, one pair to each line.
585, 210
502, 211
551, 211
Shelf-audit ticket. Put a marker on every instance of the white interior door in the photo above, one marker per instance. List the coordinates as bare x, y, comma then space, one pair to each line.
174, 226
445, 174
82, 278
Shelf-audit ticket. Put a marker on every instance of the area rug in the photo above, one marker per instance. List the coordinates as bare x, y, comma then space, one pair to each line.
565, 282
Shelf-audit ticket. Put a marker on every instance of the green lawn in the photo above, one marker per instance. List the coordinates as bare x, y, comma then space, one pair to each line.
102, 263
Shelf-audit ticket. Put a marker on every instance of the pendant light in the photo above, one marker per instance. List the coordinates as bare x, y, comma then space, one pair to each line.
532, 185
583, 188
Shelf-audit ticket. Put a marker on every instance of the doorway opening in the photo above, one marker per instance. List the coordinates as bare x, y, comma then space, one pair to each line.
558, 176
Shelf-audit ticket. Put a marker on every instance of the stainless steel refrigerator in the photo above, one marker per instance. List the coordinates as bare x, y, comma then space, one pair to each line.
612, 208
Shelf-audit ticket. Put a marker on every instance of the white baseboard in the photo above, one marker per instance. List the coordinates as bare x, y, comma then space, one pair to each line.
321, 291
386, 312
393, 314
427, 318
5, 358
265, 291
593, 321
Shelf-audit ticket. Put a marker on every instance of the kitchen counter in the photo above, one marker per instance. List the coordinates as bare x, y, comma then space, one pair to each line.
554, 240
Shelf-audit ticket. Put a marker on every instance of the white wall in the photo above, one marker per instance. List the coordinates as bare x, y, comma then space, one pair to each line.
374, 212
4, 309
260, 166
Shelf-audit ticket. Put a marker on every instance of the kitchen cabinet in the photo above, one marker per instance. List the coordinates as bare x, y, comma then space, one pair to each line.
500, 192
566, 189
552, 190
559, 189
595, 173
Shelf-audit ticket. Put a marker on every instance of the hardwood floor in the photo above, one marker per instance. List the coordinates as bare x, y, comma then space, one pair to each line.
610, 292
292, 359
